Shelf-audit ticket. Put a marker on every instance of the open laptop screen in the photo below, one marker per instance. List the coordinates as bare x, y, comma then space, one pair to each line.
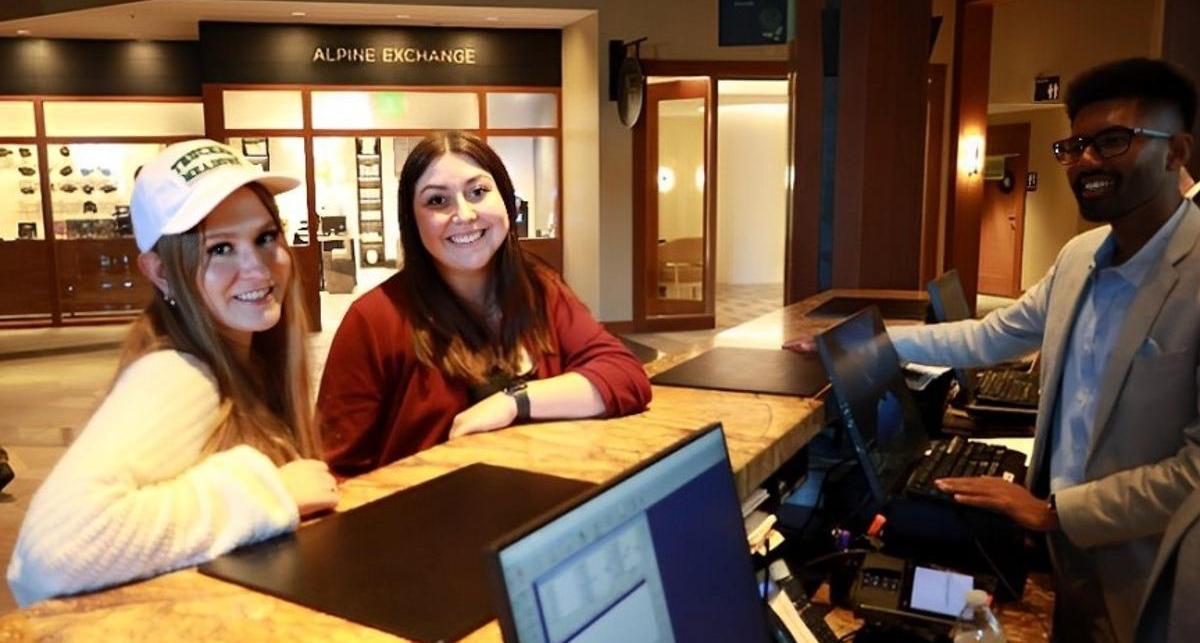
659, 555
872, 399
950, 305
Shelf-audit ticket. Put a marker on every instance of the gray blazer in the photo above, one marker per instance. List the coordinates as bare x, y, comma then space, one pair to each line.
1145, 453
1169, 611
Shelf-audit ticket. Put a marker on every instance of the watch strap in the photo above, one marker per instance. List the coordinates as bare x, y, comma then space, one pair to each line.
519, 395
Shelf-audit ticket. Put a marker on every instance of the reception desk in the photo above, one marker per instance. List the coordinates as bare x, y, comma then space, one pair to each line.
762, 431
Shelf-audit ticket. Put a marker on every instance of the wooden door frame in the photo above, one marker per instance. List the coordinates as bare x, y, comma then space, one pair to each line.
1022, 132
715, 71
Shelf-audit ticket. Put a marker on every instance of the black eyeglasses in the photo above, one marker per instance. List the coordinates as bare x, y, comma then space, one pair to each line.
1111, 142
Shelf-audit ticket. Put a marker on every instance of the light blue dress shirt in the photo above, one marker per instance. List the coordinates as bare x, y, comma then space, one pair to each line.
1103, 306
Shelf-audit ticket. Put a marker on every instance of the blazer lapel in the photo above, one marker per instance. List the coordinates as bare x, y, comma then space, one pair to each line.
1142, 312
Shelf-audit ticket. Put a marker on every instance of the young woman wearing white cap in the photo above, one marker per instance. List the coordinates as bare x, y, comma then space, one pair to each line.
205, 441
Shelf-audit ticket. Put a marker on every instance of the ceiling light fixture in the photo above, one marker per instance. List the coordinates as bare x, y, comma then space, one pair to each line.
403, 16
299, 14
492, 19
22, 32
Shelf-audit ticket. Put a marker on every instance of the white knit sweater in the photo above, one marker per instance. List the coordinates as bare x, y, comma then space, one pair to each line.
133, 497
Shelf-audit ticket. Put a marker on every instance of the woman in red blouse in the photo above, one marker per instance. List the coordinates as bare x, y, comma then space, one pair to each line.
471, 335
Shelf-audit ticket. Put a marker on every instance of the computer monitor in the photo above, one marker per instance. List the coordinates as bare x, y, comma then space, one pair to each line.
873, 401
950, 305
659, 554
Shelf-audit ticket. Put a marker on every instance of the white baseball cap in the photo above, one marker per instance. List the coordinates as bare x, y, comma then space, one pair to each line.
179, 187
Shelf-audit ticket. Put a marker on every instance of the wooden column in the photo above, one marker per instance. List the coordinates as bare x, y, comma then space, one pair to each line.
1181, 47
968, 130
804, 136
882, 87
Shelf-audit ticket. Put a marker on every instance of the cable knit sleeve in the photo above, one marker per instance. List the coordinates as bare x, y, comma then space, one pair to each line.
591, 351
133, 497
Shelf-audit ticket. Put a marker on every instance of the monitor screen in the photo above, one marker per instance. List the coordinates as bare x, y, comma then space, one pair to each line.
950, 305
872, 399
660, 555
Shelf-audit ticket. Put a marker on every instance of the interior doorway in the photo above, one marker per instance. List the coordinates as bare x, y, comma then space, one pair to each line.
752, 176
1002, 229
677, 185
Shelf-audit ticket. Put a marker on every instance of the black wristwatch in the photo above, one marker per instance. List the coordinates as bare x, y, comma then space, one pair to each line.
519, 395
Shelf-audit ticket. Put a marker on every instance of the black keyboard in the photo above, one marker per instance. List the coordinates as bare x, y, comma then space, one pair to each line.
1011, 386
959, 458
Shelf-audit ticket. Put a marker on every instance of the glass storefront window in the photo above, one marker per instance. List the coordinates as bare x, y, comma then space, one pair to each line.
283, 154
20, 193
263, 109
532, 162
123, 118
25, 292
16, 118
513, 110
90, 189
356, 183
395, 110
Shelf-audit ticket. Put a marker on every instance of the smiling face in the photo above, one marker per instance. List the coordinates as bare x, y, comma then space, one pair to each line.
461, 217
1108, 189
246, 267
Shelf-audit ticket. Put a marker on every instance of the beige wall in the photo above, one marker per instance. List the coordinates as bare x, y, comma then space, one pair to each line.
1062, 38
581, 159
1051, 214
751, 190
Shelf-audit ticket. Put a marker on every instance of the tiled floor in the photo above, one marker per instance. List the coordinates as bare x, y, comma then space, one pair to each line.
736, 303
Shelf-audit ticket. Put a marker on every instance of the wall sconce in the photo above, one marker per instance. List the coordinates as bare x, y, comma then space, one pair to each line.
666, 179
970, 155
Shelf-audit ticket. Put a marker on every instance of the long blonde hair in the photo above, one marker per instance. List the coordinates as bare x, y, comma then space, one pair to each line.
267, 407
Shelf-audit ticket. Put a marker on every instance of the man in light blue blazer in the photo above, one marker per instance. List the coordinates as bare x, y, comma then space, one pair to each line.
1117, 320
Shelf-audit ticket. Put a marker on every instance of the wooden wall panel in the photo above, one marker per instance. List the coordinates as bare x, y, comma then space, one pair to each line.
883, 77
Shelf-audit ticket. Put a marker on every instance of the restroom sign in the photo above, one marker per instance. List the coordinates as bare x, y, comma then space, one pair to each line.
1045, 89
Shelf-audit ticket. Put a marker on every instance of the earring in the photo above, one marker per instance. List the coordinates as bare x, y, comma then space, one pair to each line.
169, 299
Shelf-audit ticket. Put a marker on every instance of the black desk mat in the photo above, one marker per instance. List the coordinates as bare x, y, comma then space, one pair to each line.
755, 370
411, 563
888, 308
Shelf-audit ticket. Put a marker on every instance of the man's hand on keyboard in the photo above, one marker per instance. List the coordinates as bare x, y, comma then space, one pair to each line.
1003, 496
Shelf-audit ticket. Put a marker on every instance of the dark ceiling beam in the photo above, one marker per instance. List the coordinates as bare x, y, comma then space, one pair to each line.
35, 8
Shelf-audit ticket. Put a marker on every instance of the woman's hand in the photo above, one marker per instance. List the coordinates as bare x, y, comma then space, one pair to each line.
493, 412
311, 485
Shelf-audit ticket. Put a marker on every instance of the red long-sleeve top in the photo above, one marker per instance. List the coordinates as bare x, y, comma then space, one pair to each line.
378, 403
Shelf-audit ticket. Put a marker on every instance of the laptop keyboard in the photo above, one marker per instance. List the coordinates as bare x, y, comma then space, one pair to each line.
954, 459
1008, 386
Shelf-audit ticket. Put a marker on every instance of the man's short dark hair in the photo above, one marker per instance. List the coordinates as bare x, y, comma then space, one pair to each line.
1151, 81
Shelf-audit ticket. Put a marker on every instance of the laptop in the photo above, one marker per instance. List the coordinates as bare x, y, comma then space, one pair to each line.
881, 419
996, 389
659, 554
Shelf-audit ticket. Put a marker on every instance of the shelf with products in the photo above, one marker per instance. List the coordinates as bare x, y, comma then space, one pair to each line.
369, 191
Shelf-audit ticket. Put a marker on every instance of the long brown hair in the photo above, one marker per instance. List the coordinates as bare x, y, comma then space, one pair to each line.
447, 334
264, 403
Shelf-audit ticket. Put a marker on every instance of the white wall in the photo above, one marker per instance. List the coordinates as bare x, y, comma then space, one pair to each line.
751, 191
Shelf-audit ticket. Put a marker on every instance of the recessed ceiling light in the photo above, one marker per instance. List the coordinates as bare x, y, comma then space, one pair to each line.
492, 19
299, 14
22, 32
